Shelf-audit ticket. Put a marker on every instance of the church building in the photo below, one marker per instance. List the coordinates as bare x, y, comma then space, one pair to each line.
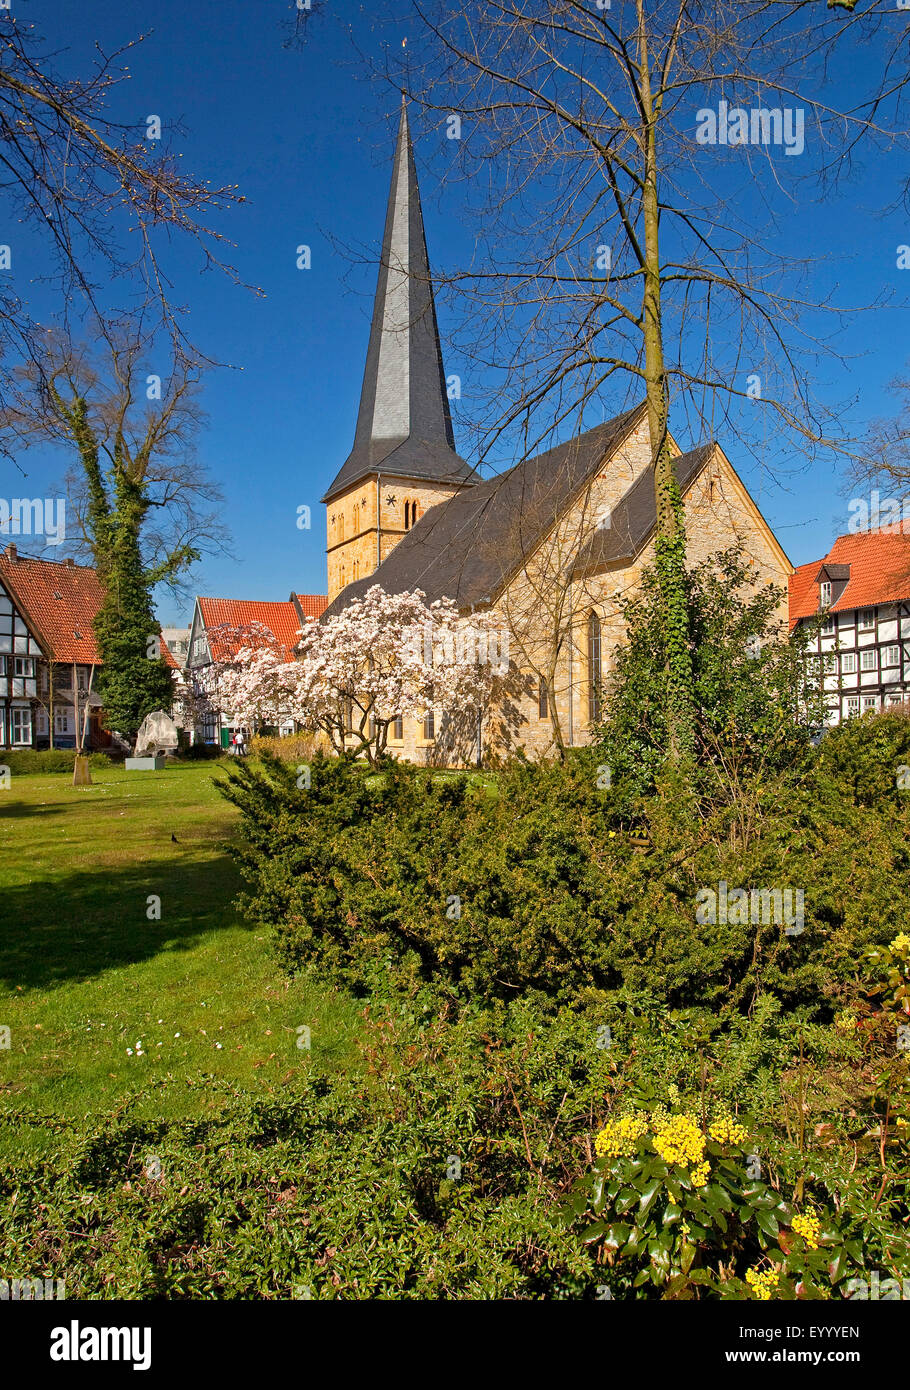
551, 547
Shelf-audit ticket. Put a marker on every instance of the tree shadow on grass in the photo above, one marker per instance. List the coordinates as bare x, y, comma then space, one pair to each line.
82, 923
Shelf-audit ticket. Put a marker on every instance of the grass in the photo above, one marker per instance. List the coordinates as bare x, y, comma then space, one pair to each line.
87, 969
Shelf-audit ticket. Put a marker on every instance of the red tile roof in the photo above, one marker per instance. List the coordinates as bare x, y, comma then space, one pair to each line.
59, 601
879, 573
281, 618
312, 605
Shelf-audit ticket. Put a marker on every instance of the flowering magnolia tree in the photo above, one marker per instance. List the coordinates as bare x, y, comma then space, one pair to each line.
242, 678
259, 686
387, 656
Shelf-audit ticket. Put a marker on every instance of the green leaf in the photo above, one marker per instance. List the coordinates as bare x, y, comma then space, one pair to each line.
768, 1223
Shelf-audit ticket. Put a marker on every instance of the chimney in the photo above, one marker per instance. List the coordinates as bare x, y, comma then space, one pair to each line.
11, 553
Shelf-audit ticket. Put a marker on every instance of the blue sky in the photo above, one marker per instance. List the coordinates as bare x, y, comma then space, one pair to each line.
309, 139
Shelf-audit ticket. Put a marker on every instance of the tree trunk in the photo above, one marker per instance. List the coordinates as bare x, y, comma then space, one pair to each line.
670, 544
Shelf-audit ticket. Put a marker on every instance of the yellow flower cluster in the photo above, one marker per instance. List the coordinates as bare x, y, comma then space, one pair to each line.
699, 1175
619, 1138
763, 1282
725, 1130
900, 942
678, 1139
808, 1226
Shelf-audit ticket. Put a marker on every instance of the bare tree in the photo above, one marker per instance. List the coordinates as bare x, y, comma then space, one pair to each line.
615, 252
98, 193
886, 457
122, 424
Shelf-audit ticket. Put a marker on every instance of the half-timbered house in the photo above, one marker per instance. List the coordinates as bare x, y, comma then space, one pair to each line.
857, 600
49, 659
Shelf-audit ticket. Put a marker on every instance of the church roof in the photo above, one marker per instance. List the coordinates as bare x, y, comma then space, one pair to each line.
467, 547
404, 427
633, 520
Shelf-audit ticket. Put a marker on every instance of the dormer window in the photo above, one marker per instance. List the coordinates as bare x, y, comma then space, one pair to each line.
824, 594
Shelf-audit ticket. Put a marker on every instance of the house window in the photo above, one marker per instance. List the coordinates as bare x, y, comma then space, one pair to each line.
866, 620
848, 664
869, 702
868, 659
543, 700
829, 626
410, 515
40, 721
594, 644
852, 706
891, 656
398, 728
23, 666
21, 726
824, 594
429, 725
63, 723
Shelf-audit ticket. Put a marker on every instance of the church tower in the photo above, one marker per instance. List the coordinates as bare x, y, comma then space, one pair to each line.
403, 460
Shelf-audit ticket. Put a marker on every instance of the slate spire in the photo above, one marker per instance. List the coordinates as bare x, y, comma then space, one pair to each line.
403, 426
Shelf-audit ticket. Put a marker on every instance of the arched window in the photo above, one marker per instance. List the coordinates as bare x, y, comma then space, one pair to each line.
594, 674
341, 576
356, 526
407, 516
355, 571
341, 527
543, 699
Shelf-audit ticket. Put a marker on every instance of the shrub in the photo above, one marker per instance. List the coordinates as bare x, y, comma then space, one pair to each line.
557, 889
24, 760
290, 748
201, 752
757, 701
679, 1206
863, 759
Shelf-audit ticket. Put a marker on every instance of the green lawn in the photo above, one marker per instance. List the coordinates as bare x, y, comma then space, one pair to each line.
86, 973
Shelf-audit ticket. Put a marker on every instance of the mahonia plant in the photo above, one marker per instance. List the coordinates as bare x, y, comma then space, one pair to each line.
677, 1213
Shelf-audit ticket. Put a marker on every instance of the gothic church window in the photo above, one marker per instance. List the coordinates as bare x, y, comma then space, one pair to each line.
594, 675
